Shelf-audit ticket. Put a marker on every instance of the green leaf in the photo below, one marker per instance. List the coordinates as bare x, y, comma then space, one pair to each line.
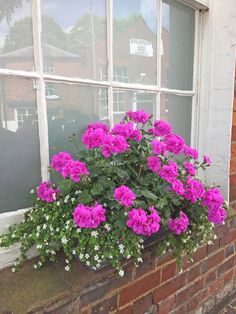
122, 174
149, 194
97, 189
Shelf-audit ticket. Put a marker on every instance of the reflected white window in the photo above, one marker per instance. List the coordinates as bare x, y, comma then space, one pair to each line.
51, 91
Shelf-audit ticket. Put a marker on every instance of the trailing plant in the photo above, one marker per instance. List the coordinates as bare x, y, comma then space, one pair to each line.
128, 183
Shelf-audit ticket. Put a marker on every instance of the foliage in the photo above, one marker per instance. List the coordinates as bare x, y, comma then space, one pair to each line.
144, 187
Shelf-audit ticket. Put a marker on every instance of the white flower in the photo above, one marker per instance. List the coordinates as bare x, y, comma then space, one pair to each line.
195, 249
57, 230
39, 246
66, 260
86, 255
78, 230
121, 247
37, 234
53, 252
13, 270
58, 203
164, 252
54, 196
35, 266
94, 234
105, 205
81, 256
140, 260
44, 226
110, 256
126, 213
107, 227
96, 248
209, 242
88, 263
46, 217
67, 268
73, 252
167, 243
128, 256
141, 240
64, 240
32, 191
73, 199
223, 223
38, 228
65, 200
98, 265
77, 192
96, 258
67, 227
51, 228
184, 240
40, 263
13, 235
215, 237
121, 273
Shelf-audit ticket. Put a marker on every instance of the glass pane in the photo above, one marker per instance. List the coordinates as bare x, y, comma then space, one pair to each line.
71, 110
74, 38
19, 143
16, 39
134, 42
178, 111
178, 45
125, 100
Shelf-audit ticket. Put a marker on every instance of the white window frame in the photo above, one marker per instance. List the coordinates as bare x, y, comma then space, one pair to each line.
41, 78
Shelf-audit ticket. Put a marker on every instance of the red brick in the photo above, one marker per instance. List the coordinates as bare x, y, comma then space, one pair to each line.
233, 150
233, 133
230, 237
126, 310
165, 259
221, 231
215, 286
166, 306
215, 260
192, 273
194, 302
199, 255
232, 165
228, 276
169, 288
143, 304
168, 271
181, 310
213, 247
210, 277
140, 287
229, 250
189, 291
223, 268
105, 306
232, 193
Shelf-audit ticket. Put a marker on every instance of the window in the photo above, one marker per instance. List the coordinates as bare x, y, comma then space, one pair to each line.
97, 61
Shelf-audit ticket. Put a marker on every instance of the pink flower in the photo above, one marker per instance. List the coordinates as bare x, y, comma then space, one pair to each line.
124, 195
206, 160
190, 168
194, 190
174, 143
89, 217
169, 172
114, 144
47, 193
59, 160
180, 224
213, 198
190, 152
161, 128
124, 129
154, 163
177, 187
94, 134
158, 147
217, 216
74, 169
138, 116
136, 135
142, 223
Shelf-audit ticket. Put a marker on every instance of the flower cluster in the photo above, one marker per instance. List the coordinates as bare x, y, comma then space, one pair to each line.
142, 223
131, 182
47, 193
180, 224
124, 196
89, 217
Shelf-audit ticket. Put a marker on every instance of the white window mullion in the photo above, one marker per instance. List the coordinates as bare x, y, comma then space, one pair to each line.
109, 6
159, 45
197, 53
40, 95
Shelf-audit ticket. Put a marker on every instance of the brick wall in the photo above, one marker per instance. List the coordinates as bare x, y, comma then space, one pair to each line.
157, 287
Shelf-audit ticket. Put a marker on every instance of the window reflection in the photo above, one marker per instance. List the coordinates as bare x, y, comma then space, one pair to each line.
16, 39
74, 43
75, 107
19, 143
134, 40
178, 111
124, 101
